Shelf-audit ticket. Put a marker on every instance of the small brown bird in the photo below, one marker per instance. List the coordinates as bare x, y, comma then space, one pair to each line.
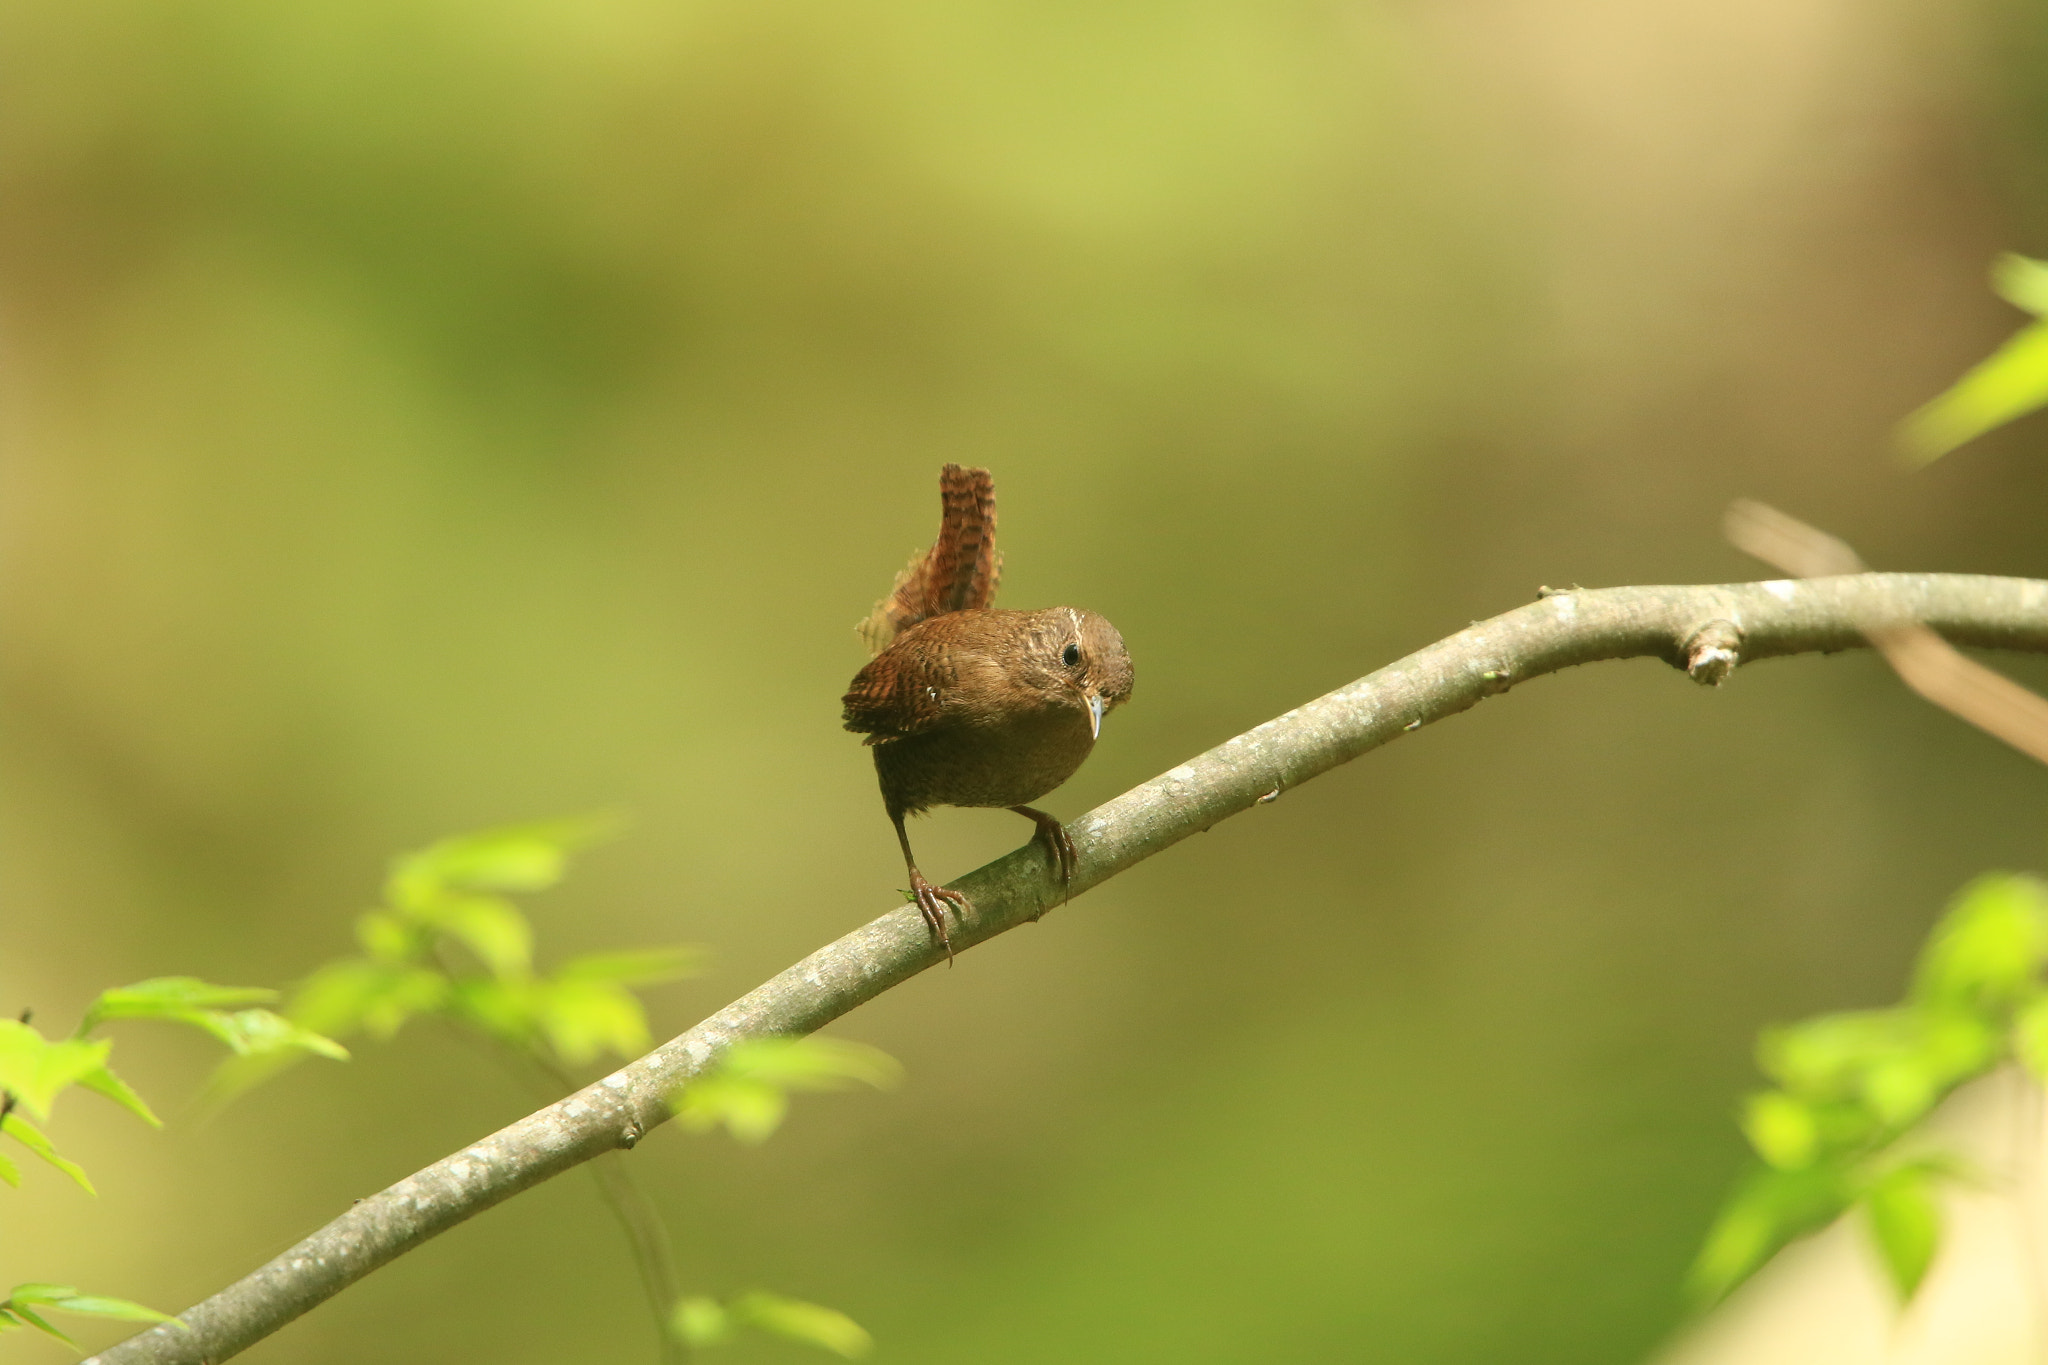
966, 705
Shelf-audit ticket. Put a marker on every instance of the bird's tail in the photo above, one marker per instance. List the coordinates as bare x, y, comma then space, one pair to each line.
959, 572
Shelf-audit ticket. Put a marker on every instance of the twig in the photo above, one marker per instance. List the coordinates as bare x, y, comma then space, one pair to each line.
1706, 631
1923, 660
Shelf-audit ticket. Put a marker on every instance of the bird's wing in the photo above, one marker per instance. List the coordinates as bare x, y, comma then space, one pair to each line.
959, 572
896, 695
910, 691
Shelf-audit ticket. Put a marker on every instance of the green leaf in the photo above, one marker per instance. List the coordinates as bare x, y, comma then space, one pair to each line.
586, 1008
747, 1091
1946, 1048
34, 1070
31, 1137
359, 994
100, 1306
813, 1063
491, 928
1782, 1129
508, 1011
1768, 1209
10, 1173
584, 1018
751, 1110
700, 1321
1825, 1056
514, 858
635, 967
2010, 383
39, 1294
257, 1033
105, 1082
1989, 945
795, 1320
29, 1316
169, 997
64, 1299
264, 1044
2021, 282
387, 938
1905, 1221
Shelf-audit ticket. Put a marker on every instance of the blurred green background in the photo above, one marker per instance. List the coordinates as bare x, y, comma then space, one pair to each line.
428, 415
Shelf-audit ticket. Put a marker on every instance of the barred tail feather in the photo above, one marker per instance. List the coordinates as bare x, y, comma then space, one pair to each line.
961, 570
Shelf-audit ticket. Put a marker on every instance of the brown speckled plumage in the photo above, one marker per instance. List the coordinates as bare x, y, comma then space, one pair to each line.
972, 706
959, 572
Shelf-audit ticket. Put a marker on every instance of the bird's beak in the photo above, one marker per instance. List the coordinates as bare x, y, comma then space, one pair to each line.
1094, 715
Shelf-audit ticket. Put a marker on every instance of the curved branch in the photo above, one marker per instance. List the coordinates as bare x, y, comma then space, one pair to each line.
1706, 631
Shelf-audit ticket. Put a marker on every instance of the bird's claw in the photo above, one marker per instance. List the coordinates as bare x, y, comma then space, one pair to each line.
931, 903
1059, 849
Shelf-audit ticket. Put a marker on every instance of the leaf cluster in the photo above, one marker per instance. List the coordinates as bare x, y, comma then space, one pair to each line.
35, 1070
447, 942
1849, 1086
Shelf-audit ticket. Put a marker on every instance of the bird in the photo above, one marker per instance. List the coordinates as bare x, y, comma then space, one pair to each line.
965, 704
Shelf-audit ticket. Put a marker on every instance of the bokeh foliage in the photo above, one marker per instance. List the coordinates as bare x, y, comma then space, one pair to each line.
1851, 1086
422, 416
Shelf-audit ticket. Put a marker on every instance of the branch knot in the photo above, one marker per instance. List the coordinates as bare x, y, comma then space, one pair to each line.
1712, 652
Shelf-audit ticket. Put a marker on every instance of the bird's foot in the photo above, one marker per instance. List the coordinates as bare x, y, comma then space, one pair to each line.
1059, 848
931, 903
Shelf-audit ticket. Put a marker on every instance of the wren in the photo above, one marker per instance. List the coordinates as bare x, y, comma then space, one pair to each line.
967, 705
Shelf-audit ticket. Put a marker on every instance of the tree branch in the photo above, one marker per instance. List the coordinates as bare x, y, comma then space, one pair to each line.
1706, 631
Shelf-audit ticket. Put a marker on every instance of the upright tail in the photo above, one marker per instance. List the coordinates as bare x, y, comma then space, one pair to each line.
960, 571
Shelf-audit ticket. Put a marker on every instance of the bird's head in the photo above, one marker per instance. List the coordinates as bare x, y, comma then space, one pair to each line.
1086, 664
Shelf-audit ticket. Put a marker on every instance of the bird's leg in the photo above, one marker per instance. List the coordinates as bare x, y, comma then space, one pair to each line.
931, 900
1058, 846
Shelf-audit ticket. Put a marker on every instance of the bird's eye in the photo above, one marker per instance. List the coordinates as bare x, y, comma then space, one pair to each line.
1071, 655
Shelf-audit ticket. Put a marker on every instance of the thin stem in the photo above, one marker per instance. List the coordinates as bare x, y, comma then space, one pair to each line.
646, 1234
653, 1252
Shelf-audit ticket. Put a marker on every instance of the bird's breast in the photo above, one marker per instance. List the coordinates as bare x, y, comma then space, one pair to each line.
1002, 763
